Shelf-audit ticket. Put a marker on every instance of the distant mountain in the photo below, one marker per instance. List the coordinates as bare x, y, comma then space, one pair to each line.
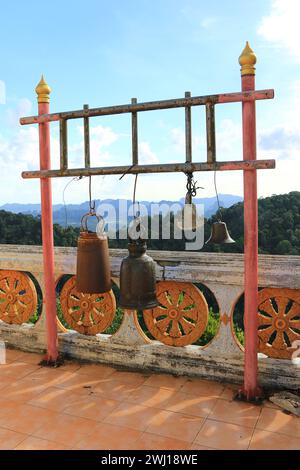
72, 213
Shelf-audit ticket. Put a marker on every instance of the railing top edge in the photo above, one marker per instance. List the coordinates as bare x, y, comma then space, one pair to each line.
190, 256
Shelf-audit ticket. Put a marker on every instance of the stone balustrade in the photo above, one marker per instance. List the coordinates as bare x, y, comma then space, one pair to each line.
169, 338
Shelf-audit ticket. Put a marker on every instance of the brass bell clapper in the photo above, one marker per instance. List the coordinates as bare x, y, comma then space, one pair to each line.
219, 233
93, 265
138, 272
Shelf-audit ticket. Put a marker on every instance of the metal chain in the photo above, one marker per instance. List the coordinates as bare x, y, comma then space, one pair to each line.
191, 185
219, 212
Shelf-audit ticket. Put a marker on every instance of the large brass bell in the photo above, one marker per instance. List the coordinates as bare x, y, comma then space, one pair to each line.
219, 234
138, 278
93, 265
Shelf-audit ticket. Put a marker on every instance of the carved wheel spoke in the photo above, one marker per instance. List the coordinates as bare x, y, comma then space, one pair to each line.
266, 334
279, 342
18, 297
87, 313
186, 326
163, 324
263, 320
268, 308
294, 311
173, 325
175, 331
275, 340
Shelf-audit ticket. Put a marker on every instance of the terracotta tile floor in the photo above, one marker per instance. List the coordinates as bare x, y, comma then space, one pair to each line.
97, 407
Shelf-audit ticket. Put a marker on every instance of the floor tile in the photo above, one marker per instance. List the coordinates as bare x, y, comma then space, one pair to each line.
131, 378
132, 416
110, 437
202, 387
153, 442
191, 404
17, 370
49, 377
175, 425
78, 383
7, 405
277, 421
229, 392
236, 412
54, 398
12, 354
30, 358
10, 439
25, 389
151, 396
5, 382
224, 436
115, 389
264, 440
35, 443
165, 381
96, 371
269, 404
65, 429
199, 447
70, 366
91, 407
26, 418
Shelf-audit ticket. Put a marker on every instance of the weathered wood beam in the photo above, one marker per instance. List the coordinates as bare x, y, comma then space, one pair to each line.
153, 105
157, 168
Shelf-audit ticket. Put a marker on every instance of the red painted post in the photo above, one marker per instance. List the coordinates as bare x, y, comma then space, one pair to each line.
251, 390
43, 91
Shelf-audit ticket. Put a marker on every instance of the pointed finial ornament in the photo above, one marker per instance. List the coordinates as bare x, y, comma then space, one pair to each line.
247, 61
43, 91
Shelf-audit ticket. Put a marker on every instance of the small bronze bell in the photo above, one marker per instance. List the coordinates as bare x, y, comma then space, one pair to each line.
137, 278
219, 234
93, 265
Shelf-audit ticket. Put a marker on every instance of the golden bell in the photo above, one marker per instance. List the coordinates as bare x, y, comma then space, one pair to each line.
138, 278
219, 234
93, 265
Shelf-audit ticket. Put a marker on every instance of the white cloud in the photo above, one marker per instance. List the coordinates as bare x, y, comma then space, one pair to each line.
281, 26
146, 155
208, 22
22, 108
2, 92
178, 141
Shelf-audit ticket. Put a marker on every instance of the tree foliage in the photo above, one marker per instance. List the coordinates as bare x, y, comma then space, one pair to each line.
278, 221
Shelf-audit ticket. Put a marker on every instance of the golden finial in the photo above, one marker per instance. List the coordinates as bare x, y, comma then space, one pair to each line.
247, 61
43, 91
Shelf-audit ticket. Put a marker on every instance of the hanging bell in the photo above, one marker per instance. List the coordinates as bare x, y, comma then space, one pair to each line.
93, 265
219, 234
138, 278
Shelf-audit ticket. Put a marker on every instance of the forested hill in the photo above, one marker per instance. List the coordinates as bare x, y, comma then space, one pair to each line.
21, 229
279, 228
278, 222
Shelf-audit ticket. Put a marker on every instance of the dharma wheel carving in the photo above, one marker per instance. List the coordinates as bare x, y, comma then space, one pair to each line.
182, 315
18, 297
279, 321
88, 314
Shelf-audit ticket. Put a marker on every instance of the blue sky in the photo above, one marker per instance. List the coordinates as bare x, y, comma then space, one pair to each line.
104, 53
